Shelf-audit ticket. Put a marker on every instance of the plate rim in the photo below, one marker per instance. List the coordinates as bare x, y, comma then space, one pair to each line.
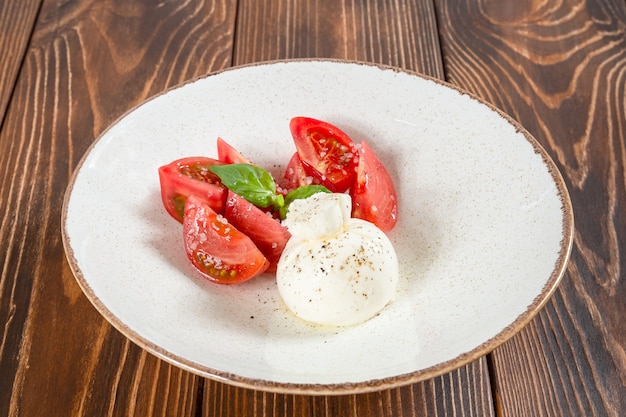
342, 388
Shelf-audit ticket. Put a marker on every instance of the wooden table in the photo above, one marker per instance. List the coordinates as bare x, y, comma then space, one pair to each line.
69, 68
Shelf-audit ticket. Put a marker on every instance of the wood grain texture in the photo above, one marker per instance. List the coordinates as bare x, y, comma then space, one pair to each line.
560, 69
88, 62
16, 25
402, 33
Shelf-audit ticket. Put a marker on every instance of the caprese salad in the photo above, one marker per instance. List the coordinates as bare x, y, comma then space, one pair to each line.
320, 227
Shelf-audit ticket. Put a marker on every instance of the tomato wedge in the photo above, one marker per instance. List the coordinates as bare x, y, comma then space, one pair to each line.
266, 232
373, 195
327, 153
191, 176
228, 154
219, 251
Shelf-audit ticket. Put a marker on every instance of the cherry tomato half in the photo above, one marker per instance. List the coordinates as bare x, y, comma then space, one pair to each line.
191, 176
327, 153
265, 231
373, 195
219, 251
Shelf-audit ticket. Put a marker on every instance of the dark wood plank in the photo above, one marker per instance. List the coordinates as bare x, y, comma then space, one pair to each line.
16, 25
399, 33
560, 69
89, 62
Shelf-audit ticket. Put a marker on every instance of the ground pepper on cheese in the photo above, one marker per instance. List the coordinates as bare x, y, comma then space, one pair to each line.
335, 270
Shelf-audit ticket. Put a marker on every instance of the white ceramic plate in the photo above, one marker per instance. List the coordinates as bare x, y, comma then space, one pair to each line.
483, 238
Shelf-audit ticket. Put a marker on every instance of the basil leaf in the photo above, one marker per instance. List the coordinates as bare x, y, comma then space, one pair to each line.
302, 192
250, 182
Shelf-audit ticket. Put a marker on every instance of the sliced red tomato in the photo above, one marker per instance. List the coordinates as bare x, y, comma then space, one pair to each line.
266, 232
373, 195
228, 154
219, 251
191, 176
327, 153
295, 175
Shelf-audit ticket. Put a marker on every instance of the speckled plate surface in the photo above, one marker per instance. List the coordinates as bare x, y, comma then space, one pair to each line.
484, 233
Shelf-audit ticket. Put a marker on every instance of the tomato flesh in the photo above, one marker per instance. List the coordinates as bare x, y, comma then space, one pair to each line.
265, 231
228, 154
295, 176
219, 251
190, 176
326, 152
373, 195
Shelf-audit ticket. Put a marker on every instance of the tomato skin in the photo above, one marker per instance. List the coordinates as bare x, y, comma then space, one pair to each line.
219, 251
228, 154
266, 232
373, 195
190, 176
326, 152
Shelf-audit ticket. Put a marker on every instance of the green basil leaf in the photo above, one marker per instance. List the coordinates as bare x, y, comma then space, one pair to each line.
302, 192
250, 182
